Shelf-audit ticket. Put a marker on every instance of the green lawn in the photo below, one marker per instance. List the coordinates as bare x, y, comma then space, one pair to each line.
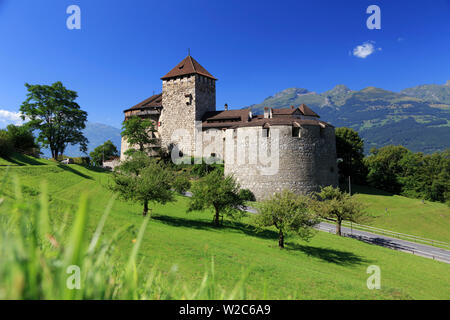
328, 267
405, 215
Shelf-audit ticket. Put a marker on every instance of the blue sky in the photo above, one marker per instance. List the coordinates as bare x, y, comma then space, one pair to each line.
255, 48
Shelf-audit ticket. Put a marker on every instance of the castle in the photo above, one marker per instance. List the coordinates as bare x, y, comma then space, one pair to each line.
280, 149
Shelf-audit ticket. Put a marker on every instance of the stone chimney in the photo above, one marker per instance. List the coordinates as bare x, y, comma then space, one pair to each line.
266, 112
226, 107
292, 107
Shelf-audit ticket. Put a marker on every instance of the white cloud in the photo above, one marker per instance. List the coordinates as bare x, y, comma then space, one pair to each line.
10, 117
364, 50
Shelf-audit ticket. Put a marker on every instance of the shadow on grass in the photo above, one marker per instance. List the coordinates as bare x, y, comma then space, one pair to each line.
369, 190
72, 170
208, 225
95, 169
344, 258
21, 160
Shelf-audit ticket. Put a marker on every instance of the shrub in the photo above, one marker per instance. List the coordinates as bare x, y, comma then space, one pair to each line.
246, 195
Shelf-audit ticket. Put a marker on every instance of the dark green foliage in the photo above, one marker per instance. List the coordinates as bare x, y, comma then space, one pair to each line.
23, 139
204, 168
6, 145
219, 193
138, 132
143, 179
103, 152
246, 195
350, 148
426, 176
287, 212
384, 168
52, 111
397, 170
181, 183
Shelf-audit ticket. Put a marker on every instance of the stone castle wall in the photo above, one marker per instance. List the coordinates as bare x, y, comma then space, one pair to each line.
303, 163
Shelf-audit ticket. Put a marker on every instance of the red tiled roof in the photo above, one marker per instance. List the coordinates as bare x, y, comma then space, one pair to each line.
225, 118
154, 101
265, 122
304, 109
186, 67
241, 118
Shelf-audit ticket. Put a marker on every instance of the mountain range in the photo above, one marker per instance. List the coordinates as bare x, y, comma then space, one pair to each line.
417, 118
97, 134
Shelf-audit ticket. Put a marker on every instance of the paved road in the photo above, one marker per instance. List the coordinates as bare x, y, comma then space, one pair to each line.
381, 240
392, 243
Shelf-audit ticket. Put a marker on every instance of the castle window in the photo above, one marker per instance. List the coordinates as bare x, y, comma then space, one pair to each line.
213, 155
180, 154
188, 98
265, 132
296, 132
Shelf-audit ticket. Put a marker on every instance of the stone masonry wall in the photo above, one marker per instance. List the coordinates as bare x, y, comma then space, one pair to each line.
304, 163
184, 101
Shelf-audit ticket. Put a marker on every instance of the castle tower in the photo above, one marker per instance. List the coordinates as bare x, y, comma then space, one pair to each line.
188, 92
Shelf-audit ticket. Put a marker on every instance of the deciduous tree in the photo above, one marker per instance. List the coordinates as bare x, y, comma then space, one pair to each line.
219, 193
53, 111
102, 152
287, 212
143, 179
138, 132
331, 202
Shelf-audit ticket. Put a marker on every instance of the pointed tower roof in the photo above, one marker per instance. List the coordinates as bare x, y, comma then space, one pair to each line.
186, 67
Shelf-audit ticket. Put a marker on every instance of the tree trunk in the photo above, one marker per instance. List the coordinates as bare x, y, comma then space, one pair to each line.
338, 226
216, 218
281, 239
144, 213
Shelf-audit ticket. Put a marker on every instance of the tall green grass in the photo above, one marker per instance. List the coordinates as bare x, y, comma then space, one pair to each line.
37, 256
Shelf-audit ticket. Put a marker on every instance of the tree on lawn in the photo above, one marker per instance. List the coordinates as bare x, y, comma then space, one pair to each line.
287, 212
102, 152
138, 132
52, 111
350, 147
331, 202
143, 179
219, 193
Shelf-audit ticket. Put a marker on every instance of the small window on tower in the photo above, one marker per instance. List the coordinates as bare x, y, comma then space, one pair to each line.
296, 132
188, 99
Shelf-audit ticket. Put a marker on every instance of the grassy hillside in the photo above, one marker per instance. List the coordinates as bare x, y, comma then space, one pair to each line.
328, 267
405, 215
